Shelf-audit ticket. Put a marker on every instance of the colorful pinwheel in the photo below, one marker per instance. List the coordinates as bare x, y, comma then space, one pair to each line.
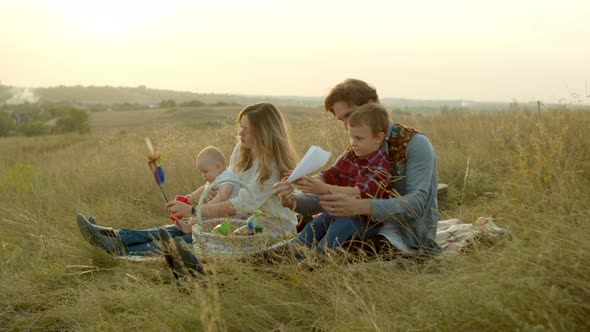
155, 163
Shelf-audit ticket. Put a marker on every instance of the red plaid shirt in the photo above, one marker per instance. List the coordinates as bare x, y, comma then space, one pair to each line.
371, 173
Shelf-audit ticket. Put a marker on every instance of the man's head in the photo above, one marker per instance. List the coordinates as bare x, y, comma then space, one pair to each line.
347, 96
367, 127
210, 162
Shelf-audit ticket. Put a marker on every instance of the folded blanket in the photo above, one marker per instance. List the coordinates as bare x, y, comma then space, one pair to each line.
453, 235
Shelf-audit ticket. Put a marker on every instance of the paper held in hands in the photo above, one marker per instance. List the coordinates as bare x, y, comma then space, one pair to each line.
314, 159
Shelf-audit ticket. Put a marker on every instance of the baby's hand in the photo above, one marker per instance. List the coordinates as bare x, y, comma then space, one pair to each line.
211, 194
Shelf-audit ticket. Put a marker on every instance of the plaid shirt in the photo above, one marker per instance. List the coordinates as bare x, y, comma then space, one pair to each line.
371, 173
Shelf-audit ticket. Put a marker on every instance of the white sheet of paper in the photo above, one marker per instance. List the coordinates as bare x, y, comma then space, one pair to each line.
314, 159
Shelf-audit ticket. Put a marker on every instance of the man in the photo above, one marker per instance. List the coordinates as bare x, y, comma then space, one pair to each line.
410, 217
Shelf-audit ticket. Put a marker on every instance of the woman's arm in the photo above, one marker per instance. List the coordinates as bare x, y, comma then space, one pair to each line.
217, 210
221, 209
195, 195
223, 194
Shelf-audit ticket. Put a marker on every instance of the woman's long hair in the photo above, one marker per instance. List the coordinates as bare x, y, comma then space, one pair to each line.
268, 127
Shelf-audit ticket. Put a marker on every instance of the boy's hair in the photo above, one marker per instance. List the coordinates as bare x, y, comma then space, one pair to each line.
351, 91
372, 115
211, 153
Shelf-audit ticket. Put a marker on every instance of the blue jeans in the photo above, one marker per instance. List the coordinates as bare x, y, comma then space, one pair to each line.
330, 233
141, 242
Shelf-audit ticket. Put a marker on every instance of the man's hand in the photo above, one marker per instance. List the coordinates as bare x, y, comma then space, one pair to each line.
312, 185
342, 205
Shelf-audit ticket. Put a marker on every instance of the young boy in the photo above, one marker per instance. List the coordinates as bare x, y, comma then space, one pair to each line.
211, 163
362, 170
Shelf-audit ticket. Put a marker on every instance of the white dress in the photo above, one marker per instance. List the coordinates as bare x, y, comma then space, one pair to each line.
278, 220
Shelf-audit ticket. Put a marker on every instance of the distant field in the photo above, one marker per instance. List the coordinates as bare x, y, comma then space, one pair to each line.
191, 117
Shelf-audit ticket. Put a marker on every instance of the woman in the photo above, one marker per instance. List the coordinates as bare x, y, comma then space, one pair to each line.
262, 154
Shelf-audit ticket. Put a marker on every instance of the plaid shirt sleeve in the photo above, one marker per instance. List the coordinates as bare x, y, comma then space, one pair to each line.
332, 174
373, 179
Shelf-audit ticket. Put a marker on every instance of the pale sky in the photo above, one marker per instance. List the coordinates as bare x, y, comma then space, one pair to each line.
452, 49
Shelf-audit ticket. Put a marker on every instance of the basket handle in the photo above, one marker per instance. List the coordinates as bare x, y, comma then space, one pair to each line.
216, 183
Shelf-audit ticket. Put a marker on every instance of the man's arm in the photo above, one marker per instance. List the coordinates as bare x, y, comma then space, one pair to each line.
307, 204
420, 166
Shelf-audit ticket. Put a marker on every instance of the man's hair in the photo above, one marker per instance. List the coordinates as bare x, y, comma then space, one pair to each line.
211, 153
373, 116
351, 91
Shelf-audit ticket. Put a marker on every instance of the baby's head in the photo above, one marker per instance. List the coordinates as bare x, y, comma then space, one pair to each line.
210, 162
367, 127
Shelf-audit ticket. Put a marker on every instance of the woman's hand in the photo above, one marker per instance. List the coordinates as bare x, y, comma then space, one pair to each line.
284, 191
177, 208
312, 185
342, 205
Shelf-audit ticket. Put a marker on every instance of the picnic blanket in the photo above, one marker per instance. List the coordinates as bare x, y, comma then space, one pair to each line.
453, 235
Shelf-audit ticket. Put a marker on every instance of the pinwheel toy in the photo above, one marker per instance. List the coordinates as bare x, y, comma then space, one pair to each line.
155, 163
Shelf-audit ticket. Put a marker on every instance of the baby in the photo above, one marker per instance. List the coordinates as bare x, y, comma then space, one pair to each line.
211, 163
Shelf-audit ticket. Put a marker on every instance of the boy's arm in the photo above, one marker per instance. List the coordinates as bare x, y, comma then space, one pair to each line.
350, 191
223, 194
316, 185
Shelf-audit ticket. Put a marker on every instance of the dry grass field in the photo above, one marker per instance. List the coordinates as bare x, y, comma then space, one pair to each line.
529, 171
204, 117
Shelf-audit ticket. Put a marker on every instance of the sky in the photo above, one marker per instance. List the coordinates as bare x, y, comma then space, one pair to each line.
472, 50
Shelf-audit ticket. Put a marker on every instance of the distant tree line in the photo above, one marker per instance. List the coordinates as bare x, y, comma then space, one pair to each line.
32, 119
42, 118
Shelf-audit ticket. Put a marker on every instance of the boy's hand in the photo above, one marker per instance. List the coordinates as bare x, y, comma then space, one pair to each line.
312, 185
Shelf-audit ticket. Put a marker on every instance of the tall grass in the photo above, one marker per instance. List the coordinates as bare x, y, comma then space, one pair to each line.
527, 170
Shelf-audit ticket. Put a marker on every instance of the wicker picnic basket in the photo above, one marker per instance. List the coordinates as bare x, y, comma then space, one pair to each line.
207, 243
